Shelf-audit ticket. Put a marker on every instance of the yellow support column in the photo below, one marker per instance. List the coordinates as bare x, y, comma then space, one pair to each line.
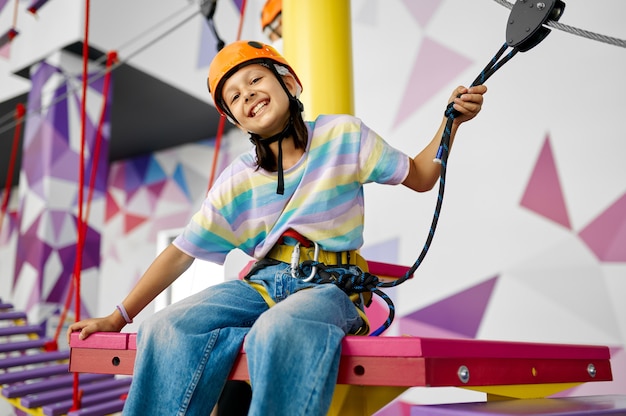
317, 42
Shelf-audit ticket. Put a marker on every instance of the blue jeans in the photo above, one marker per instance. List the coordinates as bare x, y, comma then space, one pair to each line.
185, 352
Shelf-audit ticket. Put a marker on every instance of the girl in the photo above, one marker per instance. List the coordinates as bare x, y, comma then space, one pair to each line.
299, 190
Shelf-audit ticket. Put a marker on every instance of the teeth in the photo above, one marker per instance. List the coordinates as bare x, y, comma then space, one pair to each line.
257, 108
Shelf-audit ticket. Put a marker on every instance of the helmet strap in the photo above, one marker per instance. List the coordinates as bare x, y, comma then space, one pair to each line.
258, 141
292, 99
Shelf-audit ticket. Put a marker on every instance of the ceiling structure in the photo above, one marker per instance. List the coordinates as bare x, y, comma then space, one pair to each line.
147, 115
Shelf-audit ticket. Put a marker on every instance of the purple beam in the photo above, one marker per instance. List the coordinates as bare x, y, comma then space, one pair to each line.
38, 400
9, 316
46, 371
63, 407
27, 359
22, 345
67, 380
99, 410
21, 330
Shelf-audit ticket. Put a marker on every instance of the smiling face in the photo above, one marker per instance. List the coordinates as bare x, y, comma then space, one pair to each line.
257, 100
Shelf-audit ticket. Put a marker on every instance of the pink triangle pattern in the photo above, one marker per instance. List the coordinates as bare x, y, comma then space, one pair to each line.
543, 193
5, 50
434, 68
422, 10
606, 235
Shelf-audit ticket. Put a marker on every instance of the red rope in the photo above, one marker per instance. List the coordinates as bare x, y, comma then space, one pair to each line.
81, 181
220, 126
111, 59
19, 117
218, 144
15, 10
243, 12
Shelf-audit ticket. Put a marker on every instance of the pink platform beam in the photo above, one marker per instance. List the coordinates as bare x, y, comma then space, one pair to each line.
383, 367
400, 361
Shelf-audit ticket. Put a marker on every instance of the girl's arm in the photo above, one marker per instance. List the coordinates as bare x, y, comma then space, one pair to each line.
166, 268
424, 173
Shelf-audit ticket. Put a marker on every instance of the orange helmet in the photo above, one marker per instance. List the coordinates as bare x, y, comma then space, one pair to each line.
271, 10
235, 56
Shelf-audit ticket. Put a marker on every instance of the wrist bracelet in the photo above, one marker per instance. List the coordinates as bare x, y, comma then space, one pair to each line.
124, 314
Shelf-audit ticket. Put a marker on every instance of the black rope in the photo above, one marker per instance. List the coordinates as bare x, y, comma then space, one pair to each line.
442, 157
351, 279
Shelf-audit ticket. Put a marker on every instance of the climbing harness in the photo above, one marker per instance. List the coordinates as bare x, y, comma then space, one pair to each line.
525, 30
208, 10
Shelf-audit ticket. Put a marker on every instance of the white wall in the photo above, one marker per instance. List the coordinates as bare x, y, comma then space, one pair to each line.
550, 288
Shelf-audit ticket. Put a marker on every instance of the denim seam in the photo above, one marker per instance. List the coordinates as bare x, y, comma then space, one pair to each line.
198, 373
315, 391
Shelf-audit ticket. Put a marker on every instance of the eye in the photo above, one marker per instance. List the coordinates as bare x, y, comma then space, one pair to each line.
234, 98
255, 80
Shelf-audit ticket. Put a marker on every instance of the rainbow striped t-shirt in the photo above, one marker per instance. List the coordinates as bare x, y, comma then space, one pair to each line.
323, 198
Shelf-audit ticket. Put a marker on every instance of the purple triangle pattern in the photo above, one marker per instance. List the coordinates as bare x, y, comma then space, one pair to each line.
208, 45
606, 235
238, 4
49, 161
461, 313
2, 4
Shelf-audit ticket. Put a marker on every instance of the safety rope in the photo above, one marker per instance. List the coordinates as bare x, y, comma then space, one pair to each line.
222, 121
353, 280
111, 58
350, 279
80, 220
362, 281
444, 150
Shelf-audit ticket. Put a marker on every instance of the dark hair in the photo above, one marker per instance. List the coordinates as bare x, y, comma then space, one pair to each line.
297, 127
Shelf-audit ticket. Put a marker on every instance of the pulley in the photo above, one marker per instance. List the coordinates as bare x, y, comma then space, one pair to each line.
525, 28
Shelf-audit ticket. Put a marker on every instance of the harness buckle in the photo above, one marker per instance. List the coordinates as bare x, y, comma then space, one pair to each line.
295, 261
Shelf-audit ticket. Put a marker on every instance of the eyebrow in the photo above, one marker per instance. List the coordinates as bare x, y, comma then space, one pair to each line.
251, 72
